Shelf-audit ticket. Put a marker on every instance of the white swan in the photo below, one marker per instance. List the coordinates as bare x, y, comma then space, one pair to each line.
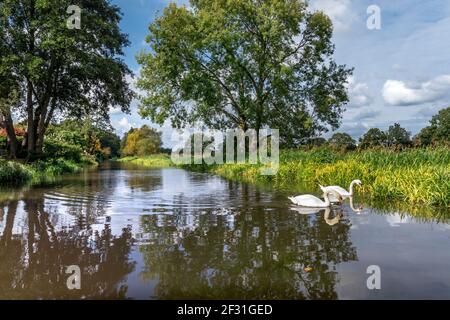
332, 221
306, 210
341, 191
358, 210
326, 215
310, 201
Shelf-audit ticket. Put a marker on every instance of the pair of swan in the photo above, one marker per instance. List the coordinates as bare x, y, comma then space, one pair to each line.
330, 194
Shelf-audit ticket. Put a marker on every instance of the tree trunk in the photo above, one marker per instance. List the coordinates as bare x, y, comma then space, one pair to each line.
31, 130
7, 232
31, 141
42, 124
10, 132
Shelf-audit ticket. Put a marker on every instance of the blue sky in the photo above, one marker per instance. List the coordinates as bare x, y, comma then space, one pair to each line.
402, 71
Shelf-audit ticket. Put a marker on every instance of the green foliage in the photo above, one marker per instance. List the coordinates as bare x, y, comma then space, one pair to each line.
414, 175
398, 137
395, 137
342, 142
63, 71
373, 138
142, 142
438, 132
440, 125
245, 64
57, 149
153, 161
2, 143
73, 139
53, 167
13, 172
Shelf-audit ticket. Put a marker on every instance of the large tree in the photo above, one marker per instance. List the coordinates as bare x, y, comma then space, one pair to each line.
142, 142
398, 137
438, 132
63, 71
373, 138
244, 64
9, 97
342, 142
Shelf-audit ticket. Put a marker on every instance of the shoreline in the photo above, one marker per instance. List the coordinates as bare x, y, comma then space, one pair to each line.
17, 174
416, 176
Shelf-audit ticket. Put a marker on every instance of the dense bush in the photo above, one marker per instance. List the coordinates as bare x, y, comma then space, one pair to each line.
57, 149
85, 138
13, 172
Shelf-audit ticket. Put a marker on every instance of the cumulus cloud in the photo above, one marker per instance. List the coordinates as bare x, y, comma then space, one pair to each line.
339, 12
355, 129
359, 93
366, 114
115, 110
399, 93
428, 112
123, 125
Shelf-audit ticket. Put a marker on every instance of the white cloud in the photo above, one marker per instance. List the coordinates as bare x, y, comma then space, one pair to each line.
115, 110
366, 114
399, 93
355, 128
359, 93
338, 10
124, 124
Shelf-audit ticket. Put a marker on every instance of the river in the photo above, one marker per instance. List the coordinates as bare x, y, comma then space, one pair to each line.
138, 233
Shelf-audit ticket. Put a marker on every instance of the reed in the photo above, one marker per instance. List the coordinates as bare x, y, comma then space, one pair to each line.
415, 176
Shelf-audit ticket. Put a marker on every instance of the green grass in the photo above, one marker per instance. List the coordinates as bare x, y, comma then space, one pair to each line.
415, 176
15, 173
152, 161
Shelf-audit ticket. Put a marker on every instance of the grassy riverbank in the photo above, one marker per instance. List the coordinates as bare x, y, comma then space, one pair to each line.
414, 176
153, 161
16, 173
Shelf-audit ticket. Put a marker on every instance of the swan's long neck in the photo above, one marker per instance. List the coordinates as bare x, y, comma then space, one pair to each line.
351, 187
326, 198
351, 204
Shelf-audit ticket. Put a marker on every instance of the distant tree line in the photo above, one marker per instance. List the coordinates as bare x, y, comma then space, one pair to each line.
396, 137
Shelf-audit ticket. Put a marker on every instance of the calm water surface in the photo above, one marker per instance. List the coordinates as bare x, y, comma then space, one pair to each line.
168, 233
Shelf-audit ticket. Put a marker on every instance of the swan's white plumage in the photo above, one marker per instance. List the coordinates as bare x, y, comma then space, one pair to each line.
308, 200
340, 191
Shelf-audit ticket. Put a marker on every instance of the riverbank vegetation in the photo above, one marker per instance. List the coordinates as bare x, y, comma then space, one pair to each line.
69, 146
57, 88
415, 175
391, 164
150, 161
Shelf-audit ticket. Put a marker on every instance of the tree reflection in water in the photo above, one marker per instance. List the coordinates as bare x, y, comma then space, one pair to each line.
203, 238
254, 254
33, 264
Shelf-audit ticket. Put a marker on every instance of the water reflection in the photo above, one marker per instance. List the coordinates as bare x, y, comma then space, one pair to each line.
166, 234
34, 256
